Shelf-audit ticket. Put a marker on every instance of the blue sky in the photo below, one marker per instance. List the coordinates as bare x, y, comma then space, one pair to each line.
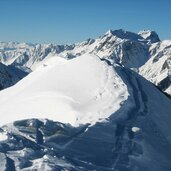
69, 21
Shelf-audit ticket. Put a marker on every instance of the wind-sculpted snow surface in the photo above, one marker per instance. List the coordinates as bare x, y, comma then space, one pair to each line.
109, 145
78, 91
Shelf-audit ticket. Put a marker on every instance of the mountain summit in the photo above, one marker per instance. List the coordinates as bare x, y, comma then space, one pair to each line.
122, 34
150, 36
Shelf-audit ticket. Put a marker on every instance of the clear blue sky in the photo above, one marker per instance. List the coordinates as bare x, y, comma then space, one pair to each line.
68, 21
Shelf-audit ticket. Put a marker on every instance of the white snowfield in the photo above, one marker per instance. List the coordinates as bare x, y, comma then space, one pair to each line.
3, 136
78, 91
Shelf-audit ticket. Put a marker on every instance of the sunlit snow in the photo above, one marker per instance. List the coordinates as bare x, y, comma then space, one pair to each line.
78, 91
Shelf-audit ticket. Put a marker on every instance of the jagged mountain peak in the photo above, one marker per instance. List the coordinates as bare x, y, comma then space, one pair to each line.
149, 35
123, 34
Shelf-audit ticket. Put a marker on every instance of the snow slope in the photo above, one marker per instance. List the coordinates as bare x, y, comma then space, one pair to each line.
117, 119
136, 137
3, 137
78, 91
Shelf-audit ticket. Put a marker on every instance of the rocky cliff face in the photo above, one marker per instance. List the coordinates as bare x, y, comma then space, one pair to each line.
158, 68
9, 75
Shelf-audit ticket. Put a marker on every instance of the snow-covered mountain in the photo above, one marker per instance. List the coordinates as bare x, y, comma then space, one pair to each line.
9, 75
85, 106
127, 48
150, 36
77, 91
117, 119
24, 55
158, 68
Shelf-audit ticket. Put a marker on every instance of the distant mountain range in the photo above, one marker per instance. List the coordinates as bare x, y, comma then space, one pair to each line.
143, 51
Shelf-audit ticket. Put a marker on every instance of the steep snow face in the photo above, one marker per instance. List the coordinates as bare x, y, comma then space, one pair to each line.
78, 91
150, 36
158, 68
9, 75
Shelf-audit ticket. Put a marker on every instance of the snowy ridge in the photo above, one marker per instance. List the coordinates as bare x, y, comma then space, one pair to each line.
78, 91
135, 137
